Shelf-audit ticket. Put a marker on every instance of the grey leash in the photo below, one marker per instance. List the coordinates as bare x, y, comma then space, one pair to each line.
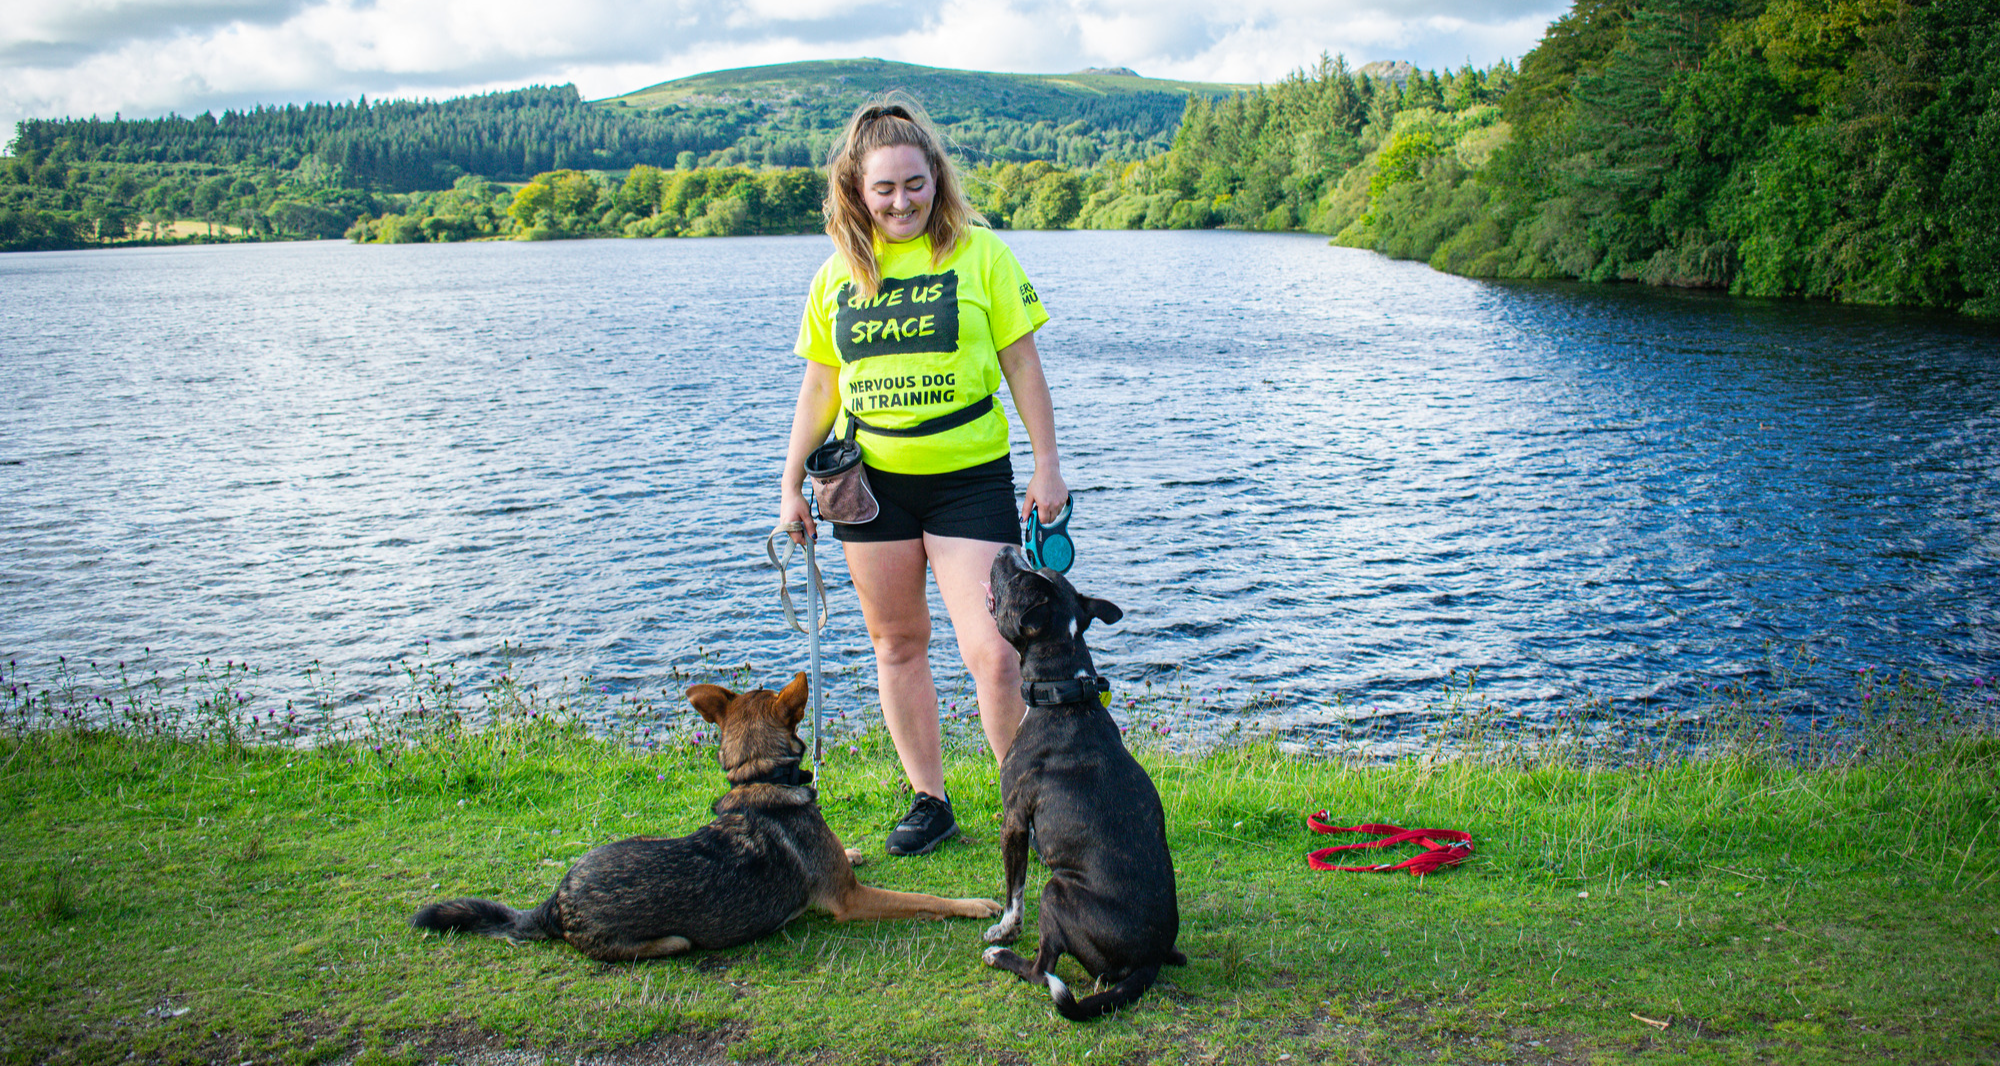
816, 611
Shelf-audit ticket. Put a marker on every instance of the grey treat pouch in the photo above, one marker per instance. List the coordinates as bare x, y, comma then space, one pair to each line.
840, 482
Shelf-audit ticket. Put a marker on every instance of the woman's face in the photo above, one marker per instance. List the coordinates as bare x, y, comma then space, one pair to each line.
896, 184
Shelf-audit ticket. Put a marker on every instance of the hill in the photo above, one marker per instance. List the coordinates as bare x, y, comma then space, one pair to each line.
1071, 119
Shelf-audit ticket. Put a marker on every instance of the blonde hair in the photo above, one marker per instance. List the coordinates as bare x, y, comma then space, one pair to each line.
892, 120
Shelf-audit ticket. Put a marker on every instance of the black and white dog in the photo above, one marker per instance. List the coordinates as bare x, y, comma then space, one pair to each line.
1096, 817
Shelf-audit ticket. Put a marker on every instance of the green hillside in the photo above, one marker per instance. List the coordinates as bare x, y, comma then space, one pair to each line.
793, 110
848, 81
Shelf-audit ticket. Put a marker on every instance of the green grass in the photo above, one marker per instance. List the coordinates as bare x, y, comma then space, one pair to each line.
184, 884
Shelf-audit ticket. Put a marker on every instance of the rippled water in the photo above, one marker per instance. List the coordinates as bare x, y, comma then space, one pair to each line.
1307, 473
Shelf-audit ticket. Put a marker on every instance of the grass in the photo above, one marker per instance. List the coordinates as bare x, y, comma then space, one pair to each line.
191, 880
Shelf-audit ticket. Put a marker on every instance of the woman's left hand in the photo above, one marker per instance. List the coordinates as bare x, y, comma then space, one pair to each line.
1046, 491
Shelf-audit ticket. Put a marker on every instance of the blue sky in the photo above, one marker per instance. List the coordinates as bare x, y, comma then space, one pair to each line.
143, 58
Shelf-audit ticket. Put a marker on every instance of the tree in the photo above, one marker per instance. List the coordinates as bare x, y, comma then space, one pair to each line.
1053, 201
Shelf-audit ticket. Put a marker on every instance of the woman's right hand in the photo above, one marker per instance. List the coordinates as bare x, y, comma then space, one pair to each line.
792, 507
819, 401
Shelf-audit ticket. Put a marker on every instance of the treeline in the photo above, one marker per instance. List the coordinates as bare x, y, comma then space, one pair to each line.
705, 202
1081, 133
1845, 149
647, 202
406, 145
1270, 159
55, 199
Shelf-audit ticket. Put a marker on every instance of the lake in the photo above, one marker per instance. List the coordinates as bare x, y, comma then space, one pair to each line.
1324, 486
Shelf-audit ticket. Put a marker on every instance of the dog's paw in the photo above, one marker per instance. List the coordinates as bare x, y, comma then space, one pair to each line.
982, 908
856, 858
992, 956
1003, 933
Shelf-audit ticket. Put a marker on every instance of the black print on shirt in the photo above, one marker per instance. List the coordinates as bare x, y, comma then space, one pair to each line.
909, 315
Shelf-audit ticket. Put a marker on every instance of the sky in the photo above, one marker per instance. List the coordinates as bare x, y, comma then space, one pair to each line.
145, 58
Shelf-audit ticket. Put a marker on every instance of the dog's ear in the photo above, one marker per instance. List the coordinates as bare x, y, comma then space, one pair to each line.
711, 700
1088, 608
792, 701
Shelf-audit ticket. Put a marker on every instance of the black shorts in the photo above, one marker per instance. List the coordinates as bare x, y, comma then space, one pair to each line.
976, 503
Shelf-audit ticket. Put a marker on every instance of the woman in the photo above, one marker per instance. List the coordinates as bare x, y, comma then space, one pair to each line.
909, 328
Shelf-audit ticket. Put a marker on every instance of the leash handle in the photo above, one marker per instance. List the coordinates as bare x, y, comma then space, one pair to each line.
1442, 847
1048, 546
819, 609
817, 612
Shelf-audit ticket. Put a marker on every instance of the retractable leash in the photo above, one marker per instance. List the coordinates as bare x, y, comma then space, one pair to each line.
816, 612
1442, 847
1048, 547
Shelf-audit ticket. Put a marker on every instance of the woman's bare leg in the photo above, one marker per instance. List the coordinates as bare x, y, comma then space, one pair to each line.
889, 579
961, 567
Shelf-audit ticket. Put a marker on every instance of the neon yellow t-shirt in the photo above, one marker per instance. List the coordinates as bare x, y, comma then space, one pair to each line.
926, 345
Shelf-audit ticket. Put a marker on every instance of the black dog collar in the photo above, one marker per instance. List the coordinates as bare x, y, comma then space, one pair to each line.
790, 774
1073, 690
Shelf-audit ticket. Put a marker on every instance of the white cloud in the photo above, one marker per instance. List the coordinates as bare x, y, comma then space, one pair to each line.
147, 57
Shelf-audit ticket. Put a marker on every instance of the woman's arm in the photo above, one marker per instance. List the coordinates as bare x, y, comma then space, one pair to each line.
812, 417
1022, 366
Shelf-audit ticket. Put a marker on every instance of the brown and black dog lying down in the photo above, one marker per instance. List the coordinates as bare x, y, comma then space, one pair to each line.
766, 857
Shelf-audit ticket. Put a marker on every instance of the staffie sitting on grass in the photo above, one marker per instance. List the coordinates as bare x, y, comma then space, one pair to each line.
1095, 815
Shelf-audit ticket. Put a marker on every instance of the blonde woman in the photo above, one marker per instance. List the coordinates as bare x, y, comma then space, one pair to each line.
910, 327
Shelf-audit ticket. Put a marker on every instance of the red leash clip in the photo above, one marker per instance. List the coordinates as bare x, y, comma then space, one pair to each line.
1442, 847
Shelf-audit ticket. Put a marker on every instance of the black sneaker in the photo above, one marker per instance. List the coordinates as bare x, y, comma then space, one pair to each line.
928, 824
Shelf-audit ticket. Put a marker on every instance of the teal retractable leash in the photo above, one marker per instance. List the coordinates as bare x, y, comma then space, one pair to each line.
1048, 547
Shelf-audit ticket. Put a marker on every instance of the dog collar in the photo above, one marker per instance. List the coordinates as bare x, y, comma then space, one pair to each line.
1073, 690
789, 774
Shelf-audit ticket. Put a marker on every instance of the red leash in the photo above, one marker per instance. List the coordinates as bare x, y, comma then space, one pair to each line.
1442, 847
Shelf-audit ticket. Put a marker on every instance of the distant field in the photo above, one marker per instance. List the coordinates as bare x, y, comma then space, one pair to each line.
180, 228
186, 228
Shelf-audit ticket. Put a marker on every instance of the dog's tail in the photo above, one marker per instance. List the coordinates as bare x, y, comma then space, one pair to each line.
485, 918
1118, 995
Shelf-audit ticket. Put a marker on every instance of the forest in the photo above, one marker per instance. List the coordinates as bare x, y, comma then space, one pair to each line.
1837, 149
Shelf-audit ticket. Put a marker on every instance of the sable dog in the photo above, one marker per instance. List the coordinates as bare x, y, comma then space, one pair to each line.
766, 857
1096, 818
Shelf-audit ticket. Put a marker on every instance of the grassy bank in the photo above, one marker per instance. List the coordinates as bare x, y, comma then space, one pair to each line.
181, 887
